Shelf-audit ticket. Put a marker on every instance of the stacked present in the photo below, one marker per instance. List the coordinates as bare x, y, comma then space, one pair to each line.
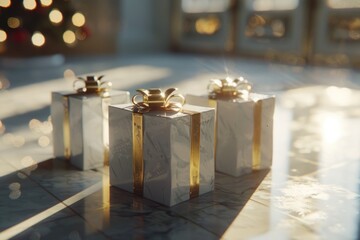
158, 146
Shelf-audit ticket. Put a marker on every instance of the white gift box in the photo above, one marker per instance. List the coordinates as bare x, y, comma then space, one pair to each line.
176, 149
80, 126
244, 132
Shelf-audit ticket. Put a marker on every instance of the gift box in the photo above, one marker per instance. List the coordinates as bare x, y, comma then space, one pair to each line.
244, 126
80, 122
162, 153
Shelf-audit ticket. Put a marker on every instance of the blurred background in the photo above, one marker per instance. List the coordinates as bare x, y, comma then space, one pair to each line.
306, 52
297, 32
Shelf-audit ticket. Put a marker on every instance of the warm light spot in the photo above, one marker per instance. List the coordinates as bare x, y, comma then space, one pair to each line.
69, 37
29, 4
18, 141
46, 127
5, 3
27, 162
14, 186
3, 36
13, 22
78, 19
46, 3
38, 39
34, 124
7, 138
69, 74
15, 194
55, 16
278, 28
44, 141
207, 25
11, 139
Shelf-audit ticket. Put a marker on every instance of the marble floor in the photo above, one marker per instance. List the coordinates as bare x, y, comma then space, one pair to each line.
311, 192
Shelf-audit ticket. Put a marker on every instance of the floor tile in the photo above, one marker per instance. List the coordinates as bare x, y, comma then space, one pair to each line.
71, 227
21, 198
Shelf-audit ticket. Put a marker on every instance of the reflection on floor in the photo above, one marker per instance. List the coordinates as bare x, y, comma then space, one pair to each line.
312, 191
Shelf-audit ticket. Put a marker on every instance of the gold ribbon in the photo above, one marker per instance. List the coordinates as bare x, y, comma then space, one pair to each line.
157, 100
229, 88
66, 128
92, 84
257, 135
195, 155
138, 158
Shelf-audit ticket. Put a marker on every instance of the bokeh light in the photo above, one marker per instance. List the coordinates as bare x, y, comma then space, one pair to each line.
38, 39
15, 194
55, 16
44, 141
13, 22
78, 19
18, 141
3, 36
13, 140
69, 74
46, 3
208, 25
34, 124
278, 28
5, 3
27, 161
69, 37
29, 4
46, 127
14, 186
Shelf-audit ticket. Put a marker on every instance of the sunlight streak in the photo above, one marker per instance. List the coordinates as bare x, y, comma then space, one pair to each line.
20, 227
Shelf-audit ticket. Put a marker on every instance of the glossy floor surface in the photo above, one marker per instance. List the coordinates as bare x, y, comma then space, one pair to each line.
312, 191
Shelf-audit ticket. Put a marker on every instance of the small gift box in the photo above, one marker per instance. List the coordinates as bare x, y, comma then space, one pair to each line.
244, 125
80, 122
161, 149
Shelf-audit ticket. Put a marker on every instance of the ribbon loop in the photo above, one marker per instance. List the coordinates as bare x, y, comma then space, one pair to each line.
229, 88
92, 84
156, 99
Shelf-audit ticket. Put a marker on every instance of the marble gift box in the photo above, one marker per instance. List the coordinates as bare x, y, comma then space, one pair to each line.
244, 132
80, 126
174, 145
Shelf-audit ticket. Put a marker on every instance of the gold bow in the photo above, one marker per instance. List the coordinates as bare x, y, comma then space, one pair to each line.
229, 88
156, 99
92, 84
